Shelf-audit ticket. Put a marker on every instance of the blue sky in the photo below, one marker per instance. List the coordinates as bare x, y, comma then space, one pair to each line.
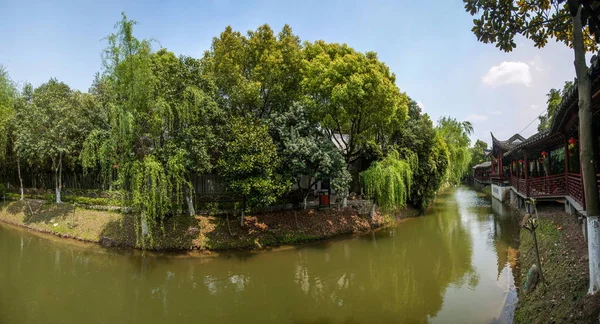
427, 44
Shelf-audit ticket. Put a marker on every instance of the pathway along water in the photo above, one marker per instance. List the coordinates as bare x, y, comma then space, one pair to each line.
449, 266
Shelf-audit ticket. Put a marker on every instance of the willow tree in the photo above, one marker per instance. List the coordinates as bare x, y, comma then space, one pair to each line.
388, 182
353, 95
418, 135
571, 22
456, 135
142, 94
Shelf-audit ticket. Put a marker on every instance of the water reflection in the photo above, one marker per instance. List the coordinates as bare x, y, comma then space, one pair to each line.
439, 267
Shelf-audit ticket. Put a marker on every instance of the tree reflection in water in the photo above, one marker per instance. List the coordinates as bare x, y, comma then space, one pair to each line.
409, 273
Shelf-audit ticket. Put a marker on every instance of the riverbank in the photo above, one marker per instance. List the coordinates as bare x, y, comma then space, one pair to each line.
563, 251
204, 233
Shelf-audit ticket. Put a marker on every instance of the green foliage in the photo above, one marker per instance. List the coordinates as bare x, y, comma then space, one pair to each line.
353, 95
389, 181
256, 74
8, 95
419, 136
151, 190
554, 99
249, 162
477, 153
260, 109
456, 135
304, 150
501, 21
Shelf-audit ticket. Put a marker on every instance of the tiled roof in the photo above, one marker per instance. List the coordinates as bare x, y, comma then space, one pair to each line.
486, 164
509, 143
568, 104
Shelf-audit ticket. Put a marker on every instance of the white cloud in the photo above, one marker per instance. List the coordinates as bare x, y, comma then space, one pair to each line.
421, 105
537, 63
535, 107
496, 112
476, 118
508, 73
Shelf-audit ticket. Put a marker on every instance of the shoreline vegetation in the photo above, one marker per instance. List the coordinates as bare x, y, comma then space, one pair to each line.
261, 119
563, 252
202, 233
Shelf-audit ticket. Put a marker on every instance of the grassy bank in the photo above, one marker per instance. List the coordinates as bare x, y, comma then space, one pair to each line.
205, 233
563, 251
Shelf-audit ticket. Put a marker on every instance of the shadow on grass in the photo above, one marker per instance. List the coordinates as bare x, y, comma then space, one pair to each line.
173, 236
38, 212
16, 207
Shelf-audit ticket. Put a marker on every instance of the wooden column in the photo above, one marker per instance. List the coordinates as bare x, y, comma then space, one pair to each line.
549, 163
567, 165
500, 171
526, 164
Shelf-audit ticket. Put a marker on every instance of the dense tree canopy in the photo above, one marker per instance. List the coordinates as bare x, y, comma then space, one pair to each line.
352, 94
478, 153
263, 113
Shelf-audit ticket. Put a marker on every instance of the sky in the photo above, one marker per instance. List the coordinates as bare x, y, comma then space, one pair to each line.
429, 45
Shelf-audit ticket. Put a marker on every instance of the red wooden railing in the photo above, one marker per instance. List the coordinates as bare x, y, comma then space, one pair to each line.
522, 186
514, 181
554, 185
576, 188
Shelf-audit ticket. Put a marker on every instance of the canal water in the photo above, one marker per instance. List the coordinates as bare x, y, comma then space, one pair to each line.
452, 265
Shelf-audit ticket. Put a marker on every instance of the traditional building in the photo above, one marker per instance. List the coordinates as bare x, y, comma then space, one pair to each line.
546, 165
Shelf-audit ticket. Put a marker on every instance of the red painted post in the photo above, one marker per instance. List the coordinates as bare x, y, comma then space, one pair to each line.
500, 171
526, 176
567, 166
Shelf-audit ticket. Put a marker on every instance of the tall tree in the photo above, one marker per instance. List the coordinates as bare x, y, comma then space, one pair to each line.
456, 135
50, 127
477, 153
256, 74
249, 163
418, 135
155, 105
554, 99
352, 94
8, 95
501, 21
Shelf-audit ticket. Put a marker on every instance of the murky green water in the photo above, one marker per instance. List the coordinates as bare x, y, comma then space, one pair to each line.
450, 266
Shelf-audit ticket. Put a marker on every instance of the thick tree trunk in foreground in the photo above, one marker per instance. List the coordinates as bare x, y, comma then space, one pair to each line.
586, 154
20, 178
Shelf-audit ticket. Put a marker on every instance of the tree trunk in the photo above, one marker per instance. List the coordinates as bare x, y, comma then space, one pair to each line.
20, 178
243, 214
372, 212
586, 154
190, 203
59, 178
144, 223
